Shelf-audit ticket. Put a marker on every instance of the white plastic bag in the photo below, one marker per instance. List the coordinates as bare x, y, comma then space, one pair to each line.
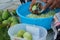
33, 29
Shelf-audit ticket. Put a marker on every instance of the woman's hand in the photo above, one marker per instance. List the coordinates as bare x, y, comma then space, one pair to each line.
52, 4
30, 8
55, 4
33, 2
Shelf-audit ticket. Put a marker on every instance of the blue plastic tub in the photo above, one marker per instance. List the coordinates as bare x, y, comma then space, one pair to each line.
23, 10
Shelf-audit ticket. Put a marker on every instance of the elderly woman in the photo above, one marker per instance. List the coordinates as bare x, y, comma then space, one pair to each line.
56, 27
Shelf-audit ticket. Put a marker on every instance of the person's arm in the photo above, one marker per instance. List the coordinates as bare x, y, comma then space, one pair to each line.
45, 1
32, 3
52, 4
56, 4
48, 3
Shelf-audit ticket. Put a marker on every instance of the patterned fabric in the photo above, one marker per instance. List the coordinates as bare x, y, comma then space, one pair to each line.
57, 23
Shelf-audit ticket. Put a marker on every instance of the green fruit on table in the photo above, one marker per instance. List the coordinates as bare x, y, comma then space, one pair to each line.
14, 12
32, 16
14, 23
5, 22
51, 13
0, 19
20, 33
14, 19
43, 15
1, 11
27, 35
27, 39
5, 14
9, 19
34, 7
2, 26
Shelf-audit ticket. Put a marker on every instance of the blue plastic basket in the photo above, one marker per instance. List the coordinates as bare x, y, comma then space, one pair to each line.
23, 10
